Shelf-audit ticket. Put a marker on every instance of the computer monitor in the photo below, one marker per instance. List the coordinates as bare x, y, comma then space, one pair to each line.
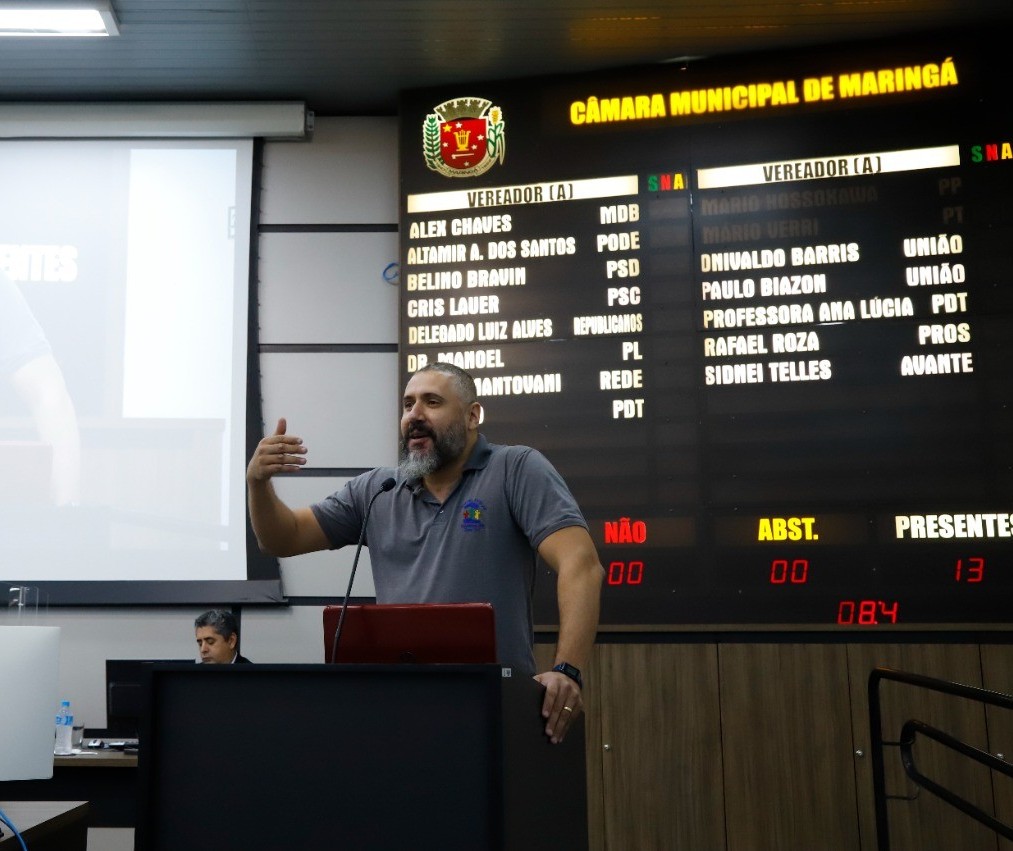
29, 672
460, 633
127, 694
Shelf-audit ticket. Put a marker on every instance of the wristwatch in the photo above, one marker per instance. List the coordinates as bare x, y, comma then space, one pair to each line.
570, 671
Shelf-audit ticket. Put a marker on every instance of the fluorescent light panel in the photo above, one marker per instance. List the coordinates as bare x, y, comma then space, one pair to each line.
57, 19
84, 120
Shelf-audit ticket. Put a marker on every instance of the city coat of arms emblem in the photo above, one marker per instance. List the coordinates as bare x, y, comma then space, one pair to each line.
463, 137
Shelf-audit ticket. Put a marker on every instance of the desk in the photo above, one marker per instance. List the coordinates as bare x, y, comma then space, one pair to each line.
88, 758
47, 825
106, 778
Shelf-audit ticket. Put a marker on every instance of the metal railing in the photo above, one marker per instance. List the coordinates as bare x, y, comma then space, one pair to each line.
909, 732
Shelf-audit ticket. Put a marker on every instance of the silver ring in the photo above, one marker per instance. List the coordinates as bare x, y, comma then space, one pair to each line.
567, 709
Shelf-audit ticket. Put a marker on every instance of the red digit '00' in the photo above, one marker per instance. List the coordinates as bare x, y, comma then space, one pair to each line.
796, 571
621, 573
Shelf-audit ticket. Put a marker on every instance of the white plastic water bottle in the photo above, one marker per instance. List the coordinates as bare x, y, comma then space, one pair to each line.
64, 729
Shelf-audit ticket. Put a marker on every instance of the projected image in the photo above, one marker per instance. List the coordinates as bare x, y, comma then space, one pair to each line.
123, 311
27, 363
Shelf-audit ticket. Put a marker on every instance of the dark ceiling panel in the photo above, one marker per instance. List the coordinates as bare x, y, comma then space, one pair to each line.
352, 57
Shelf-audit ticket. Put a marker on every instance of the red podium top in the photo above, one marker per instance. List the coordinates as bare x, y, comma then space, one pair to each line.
456, 633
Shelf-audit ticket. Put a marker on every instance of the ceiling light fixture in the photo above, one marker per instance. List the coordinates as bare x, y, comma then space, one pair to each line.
56, 18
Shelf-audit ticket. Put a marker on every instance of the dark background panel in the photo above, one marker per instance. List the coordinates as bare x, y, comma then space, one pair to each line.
705, 460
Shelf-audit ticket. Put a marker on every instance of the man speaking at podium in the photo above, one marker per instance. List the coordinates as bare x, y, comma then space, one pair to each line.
463, 523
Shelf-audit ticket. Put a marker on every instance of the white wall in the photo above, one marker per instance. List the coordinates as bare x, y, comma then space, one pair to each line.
314, 288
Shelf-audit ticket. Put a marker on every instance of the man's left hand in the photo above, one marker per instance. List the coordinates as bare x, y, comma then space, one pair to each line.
561, 705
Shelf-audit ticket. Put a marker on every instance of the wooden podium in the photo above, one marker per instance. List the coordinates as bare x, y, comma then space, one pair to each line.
355, 756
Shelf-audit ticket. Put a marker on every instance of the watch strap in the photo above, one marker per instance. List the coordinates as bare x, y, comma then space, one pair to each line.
571, 671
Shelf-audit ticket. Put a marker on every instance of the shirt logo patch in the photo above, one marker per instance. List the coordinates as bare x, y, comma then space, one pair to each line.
473, 516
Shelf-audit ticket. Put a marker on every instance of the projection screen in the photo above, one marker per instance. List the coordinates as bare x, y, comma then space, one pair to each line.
124, 298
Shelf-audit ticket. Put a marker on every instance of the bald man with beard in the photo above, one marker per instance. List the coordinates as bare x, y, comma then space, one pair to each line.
467, 521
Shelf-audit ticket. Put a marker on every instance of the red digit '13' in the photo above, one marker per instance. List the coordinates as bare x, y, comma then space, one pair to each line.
972, 571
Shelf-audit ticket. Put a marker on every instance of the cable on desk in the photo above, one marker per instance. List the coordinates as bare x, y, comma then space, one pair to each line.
7, 821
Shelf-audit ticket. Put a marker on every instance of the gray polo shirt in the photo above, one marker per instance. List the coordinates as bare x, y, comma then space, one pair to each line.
477, 547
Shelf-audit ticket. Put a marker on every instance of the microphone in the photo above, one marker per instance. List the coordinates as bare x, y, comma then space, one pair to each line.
386, 486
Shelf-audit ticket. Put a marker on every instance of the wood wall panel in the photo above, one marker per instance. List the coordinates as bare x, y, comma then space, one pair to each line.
927, 823
749, 747
661, 747
997, 676
787, 746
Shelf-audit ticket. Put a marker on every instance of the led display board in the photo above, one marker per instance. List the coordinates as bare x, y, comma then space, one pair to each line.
756, 311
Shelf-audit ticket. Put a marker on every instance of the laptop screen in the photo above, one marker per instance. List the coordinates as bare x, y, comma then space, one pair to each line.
457, 633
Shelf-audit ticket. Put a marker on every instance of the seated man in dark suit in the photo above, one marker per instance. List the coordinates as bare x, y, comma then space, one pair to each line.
217, 633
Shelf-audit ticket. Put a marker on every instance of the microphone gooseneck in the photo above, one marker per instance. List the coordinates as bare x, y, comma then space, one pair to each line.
387, 485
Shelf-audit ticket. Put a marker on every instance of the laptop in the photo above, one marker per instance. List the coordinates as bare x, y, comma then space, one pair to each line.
127, 699
457, 633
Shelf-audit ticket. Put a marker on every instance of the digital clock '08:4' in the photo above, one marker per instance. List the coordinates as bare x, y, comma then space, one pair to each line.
866, 612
